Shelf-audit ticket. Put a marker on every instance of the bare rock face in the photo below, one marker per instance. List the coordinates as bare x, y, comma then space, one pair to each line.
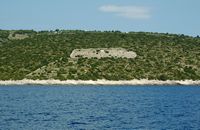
103, 53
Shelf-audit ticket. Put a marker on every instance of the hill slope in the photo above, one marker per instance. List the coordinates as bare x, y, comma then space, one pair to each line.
46, 55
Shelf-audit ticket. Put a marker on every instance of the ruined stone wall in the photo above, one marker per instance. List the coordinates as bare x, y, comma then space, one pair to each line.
102, 53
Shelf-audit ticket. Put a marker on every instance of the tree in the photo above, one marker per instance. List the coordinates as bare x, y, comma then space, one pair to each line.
57, 30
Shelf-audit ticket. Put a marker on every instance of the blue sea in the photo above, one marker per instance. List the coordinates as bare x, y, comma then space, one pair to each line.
99, 107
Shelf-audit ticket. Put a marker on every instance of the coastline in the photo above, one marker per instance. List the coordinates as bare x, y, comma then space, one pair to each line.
99, 82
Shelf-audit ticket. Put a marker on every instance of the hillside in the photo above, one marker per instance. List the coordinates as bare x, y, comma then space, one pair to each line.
46, 55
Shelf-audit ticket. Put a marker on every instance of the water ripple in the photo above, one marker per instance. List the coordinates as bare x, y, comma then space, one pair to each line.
126, 107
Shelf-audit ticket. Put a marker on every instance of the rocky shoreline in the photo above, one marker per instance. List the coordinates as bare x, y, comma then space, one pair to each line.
99, 82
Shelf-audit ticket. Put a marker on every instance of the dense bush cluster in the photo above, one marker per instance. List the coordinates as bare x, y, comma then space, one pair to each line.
159, 56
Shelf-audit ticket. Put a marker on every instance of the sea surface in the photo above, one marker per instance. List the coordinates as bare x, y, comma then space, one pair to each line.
99, 107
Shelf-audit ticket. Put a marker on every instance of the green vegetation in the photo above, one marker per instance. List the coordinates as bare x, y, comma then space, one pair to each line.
46, 55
